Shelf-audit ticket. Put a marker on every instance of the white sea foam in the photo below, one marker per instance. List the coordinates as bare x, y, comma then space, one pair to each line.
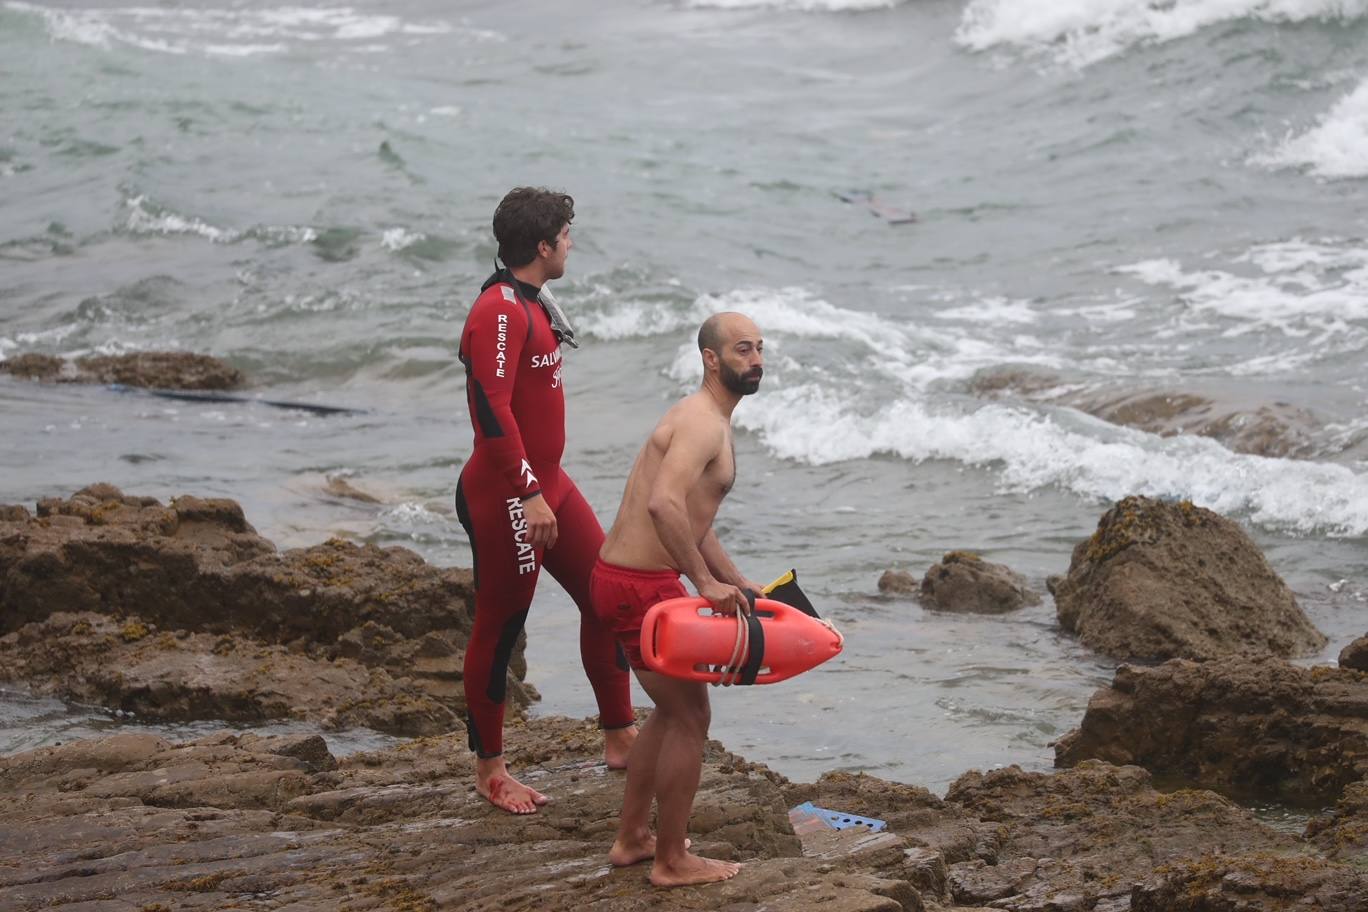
991, 310
397, 239
231, 32
905, 352
1306, 288
145, 217
1082, 32
47, 336
1031, 451
878, 395
1337, 147
804, 6
409, 514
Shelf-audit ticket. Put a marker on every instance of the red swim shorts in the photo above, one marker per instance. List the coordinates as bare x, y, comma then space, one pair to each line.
621, 597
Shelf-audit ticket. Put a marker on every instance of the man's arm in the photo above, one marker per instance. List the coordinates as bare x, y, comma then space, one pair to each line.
721, 566
689, 449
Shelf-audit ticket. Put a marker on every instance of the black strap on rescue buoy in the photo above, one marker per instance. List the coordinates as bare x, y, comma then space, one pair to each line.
756, 653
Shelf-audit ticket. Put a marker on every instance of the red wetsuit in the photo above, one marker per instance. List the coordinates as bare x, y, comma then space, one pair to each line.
517, 405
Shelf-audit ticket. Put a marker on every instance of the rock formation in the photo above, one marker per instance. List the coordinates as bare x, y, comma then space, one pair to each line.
1161, 580
150, 370
1245, 726
965, 583
182, 611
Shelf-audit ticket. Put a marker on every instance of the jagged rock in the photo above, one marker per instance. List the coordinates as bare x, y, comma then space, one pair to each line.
1161, 580
1269, 429
146, 824
1252, 882
198, 565
1244, 725
1355, 655
33, 366
965, 583
1343, 833
126, 664
898, 582
338, 486
1080, 839
338, 633
151, 370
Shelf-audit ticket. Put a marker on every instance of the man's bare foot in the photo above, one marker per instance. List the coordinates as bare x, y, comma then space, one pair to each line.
617, 744
493, 781
692, 869
627, 852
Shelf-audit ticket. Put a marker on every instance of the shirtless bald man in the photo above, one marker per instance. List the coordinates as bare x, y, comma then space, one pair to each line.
663, 529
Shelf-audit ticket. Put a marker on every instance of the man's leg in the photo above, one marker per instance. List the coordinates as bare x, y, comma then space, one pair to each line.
666, 763
502, 598
571, 562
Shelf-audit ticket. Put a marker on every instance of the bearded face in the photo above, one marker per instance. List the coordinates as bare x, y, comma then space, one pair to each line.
737, 382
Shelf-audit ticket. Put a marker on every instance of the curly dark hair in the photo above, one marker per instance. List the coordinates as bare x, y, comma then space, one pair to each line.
527, 216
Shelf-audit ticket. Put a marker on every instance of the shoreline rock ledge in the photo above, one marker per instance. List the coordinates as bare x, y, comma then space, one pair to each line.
181, 612
135, 823
1161, 580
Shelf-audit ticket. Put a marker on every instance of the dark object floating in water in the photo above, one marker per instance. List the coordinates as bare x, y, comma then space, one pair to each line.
195, 396
877, 207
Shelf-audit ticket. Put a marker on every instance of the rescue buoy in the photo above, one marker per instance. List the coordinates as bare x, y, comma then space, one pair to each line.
683, 638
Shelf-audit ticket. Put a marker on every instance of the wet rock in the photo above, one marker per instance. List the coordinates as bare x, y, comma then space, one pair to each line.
967, 584
1343, 833
151, 370
1263, 429
198, 565
1252, 882
127, 665
33, 366
938, 834
1081, 839
1161, 580
199, 825
1355, 655
898, 582
338, 486
338, 633
1247, 726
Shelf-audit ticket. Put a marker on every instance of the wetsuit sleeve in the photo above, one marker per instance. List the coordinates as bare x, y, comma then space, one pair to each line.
496, 334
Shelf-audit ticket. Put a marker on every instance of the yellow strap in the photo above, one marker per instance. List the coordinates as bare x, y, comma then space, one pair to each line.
786, 578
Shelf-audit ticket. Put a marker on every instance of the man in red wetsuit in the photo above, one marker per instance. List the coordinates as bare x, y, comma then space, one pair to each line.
518, 506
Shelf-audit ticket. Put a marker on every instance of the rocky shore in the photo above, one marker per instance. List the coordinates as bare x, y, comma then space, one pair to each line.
182, 611
149, 370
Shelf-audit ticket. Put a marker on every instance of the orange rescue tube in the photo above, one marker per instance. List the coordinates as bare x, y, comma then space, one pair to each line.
682, 638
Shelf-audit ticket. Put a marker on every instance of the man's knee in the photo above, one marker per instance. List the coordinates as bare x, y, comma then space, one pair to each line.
693, 716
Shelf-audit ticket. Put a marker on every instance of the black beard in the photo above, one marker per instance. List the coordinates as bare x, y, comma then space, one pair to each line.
736, 383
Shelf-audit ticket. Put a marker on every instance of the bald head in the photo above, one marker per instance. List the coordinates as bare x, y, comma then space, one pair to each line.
733, 352
721, 329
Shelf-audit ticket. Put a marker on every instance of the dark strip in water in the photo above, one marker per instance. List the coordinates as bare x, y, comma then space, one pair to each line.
196, 396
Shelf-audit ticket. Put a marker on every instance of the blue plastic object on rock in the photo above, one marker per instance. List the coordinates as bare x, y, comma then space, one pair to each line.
809, 816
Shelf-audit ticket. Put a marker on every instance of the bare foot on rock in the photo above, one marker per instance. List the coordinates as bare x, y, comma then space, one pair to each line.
692, 869
627, 852
617, 745
499, 788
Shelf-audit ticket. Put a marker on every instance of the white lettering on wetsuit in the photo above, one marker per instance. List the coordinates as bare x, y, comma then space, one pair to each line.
527, 555
548, 359
501, 346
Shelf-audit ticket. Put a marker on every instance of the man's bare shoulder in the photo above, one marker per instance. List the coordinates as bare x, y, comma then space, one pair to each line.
695, 419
